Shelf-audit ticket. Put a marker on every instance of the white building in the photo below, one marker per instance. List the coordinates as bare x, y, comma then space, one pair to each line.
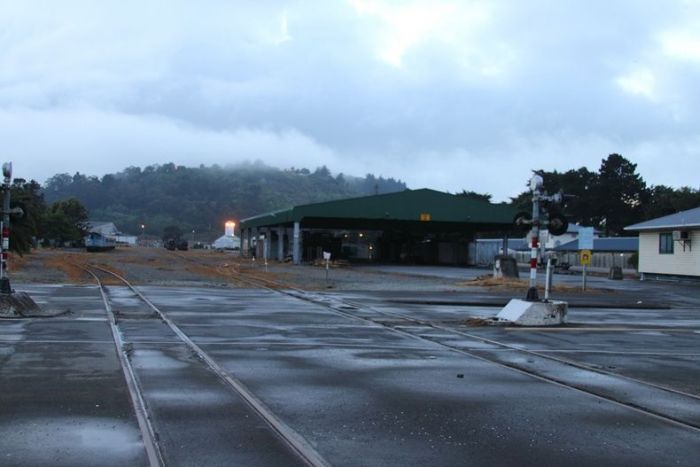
666, 244
228, 241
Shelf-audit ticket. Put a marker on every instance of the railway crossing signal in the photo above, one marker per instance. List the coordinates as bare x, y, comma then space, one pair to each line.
5, 287
532, 311
556, 223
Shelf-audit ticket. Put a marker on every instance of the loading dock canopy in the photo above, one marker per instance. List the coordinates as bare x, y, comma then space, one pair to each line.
442, 211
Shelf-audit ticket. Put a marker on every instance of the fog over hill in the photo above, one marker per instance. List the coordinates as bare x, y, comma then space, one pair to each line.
203, 198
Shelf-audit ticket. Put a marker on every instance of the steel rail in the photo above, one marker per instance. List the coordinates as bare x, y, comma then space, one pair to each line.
280, 287
285, 289
289, 436
148, 434
504, 345
560, 382
544, 355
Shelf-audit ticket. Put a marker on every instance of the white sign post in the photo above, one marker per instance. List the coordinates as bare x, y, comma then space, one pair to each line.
327, 257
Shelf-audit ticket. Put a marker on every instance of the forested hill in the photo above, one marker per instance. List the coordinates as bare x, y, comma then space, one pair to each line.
203, 198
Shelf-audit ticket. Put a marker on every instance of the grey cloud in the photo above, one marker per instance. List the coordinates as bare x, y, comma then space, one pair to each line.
301, 84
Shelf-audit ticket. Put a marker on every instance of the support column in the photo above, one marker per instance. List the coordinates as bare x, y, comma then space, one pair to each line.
245, 241
280, 244
260, 251
296, 246
249, 241
254, 241
267, 244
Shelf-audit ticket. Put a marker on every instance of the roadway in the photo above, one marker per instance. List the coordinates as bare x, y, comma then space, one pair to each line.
366, 378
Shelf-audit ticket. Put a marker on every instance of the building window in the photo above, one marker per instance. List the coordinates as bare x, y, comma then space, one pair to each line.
666, 243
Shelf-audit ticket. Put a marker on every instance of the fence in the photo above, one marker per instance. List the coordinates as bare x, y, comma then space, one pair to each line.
603, 260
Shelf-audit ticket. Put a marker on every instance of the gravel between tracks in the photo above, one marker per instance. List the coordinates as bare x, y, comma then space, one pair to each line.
205, 268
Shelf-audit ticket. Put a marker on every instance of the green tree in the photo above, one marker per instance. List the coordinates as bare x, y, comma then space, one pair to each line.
474, 195
65, 221
665, 200
25, 228
610, 199
619, 195
197, 198
576, 185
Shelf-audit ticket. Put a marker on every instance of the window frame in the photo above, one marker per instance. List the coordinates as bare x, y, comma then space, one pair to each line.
666, 243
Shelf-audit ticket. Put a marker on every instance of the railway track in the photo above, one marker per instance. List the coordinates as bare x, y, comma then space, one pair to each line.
157, 451
666, 404
669, 404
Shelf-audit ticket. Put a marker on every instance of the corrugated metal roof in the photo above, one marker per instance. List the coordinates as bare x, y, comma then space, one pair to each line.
608, 244
407, 205
679, 220
283, 216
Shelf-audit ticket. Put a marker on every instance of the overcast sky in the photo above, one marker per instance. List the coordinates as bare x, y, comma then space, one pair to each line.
448, 95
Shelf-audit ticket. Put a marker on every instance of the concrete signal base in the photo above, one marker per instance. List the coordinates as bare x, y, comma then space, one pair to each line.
524, 313
17, 304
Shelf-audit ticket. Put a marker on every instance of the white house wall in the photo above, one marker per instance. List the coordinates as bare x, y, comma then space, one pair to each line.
682, 263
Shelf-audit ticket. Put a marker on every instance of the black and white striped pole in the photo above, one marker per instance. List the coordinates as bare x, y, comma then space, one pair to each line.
536, 187
5, 287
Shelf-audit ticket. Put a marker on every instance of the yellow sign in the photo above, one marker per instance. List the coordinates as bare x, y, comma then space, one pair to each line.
425, 216
585, 257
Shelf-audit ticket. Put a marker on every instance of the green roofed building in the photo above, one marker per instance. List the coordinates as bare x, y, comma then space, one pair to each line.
417, 226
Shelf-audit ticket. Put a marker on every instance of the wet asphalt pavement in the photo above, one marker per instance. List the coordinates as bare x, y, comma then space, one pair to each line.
376, 379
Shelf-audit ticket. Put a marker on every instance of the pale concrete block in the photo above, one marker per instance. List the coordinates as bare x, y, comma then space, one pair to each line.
524, 313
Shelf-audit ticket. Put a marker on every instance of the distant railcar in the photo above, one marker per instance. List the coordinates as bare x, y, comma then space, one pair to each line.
98, 242
175, 244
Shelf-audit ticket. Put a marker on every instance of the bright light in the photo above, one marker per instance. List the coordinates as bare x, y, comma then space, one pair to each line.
230, 228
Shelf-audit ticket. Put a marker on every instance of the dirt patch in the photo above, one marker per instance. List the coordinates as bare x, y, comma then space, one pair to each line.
500, 282
273, 280
520, 285
479, 322
18, 262
69, 265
